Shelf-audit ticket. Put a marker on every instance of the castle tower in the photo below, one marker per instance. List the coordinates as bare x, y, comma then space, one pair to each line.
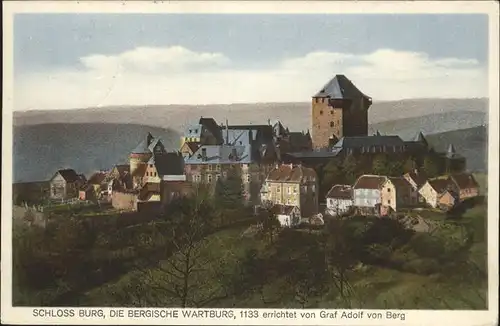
339, 109
141, 154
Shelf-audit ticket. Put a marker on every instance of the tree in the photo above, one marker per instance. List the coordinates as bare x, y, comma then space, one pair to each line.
380, 165
178, 276
410, 165
332, 174
269, 222
430, 166
229, 190
349, 166
341, 254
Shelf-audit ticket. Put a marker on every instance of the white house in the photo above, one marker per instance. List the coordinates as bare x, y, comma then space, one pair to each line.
287, 215
367, 193
339, 200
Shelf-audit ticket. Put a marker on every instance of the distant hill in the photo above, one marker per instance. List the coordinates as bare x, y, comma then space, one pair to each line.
471, 143
430, 124
296, 116
40, 150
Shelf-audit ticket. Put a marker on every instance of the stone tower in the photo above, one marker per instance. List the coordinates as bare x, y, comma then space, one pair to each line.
141, 154
339, 109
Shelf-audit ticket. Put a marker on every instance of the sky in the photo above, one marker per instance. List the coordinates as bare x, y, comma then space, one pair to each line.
64, 61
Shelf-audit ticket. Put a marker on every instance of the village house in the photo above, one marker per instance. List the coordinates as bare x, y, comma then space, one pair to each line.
434, 192
160, 165
287, 215
466, 185
367, 193
86, 192
339, 200
396, 193
292, 185
66, 184
416, 179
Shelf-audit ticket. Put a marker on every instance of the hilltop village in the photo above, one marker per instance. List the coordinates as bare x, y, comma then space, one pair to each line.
334, 168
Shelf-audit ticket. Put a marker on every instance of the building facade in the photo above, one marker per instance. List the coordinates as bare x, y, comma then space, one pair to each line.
66, 184
398, 193
339, 200
367, 193
292, 185
339, 109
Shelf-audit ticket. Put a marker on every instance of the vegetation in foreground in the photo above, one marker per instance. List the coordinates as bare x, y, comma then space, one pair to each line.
203, 252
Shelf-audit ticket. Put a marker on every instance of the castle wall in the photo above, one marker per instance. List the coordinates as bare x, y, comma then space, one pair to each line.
326, 121
124, 201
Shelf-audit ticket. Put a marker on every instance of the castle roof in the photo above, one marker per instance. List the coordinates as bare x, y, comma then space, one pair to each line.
368, 141
400, 183
221, 154
340, 87
147, 145
420, 178
97, 178
171, 163
419, 137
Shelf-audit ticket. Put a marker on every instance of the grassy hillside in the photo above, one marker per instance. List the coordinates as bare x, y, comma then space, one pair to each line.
40, 150
471, 143
430, 124
296, 116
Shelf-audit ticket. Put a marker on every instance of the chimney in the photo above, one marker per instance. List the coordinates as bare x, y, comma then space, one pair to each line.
227, 132
203, 154
234, 154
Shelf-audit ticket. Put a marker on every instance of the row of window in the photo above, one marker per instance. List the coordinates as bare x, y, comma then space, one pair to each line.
151, 174
291, 190
210, 177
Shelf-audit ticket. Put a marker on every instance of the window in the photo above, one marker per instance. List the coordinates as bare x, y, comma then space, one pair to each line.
389, 201
249, 178
388, 189
332, 124
294, 190
331, 111
155, 174
217, 167
217, 176
196, 131
321, 112
289, 190
209, 178
278, 189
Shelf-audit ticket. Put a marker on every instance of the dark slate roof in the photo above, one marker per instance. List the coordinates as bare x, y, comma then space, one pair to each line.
171, 163
368, 141
312, 154
419, 137
147, 145
212, 126
340, 87
69, 175
370, 182
464, 180
340, 191
299, 139
221, 154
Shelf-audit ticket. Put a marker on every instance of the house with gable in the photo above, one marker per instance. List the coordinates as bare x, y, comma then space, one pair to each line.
140, 156
292, 185
465, 184
439, 192
339, 200
367, 193
397, 193
287, 215
65, 184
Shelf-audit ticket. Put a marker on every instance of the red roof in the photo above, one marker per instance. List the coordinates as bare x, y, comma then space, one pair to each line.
464, 180
290, 173
370, 182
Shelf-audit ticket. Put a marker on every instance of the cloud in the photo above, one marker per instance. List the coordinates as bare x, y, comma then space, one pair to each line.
177, 75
